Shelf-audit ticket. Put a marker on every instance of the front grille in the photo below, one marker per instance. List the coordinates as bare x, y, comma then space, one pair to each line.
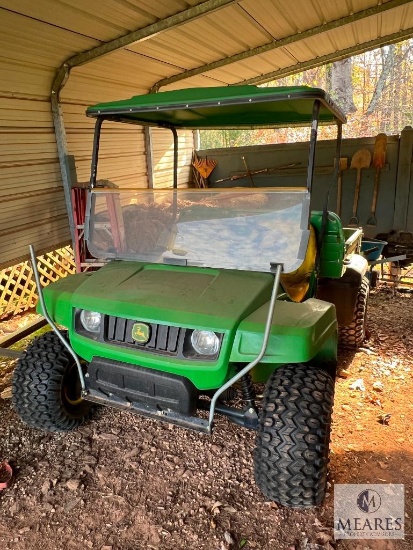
163, 339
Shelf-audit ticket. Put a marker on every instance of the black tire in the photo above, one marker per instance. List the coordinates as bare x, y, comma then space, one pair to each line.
46, 387
292, 446
353, 335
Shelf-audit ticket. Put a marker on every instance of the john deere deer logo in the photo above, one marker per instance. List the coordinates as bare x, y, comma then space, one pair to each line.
140, 333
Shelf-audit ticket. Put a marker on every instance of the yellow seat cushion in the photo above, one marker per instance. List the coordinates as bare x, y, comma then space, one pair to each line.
297, 282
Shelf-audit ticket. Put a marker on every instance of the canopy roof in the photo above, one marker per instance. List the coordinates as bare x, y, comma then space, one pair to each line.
224, 106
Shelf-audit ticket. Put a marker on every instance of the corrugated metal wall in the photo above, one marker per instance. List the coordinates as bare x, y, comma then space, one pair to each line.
32, 203
122, 151
162, 156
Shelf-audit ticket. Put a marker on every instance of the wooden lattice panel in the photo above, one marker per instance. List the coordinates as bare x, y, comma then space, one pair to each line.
18, 286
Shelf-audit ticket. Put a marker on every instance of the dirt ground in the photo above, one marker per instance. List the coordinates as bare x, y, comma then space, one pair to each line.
123, 482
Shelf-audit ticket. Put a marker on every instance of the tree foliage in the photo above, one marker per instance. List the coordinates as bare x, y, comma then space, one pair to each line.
374, 89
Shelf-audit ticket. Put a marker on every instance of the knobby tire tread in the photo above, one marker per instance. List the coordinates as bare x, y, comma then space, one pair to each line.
292, 446
37, 387
352, 336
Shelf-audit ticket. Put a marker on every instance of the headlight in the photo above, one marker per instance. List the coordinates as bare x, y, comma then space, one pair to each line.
91, 320
205, 342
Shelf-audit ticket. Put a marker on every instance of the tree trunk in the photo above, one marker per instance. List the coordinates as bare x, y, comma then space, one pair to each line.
342, 86
388, 65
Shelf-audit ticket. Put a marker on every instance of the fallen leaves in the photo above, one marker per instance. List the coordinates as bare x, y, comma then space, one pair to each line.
107, 437
216, 508
358, 385
228, 542
384, 418
6, 474
367, 351
6, 393
323, 538
344, 373
375, 401
46, 485
73, 484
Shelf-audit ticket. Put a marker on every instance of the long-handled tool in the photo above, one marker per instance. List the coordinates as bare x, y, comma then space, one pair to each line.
379, 160
261, 171
204, 167
244, 160
342, 166
361, 159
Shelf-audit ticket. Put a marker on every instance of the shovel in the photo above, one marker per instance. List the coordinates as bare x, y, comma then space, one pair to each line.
342, 166
361, 159
379, 160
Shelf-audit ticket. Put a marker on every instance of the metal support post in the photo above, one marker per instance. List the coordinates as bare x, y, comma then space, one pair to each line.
62, 151
313, 142
95, 153
175, 134
149, 155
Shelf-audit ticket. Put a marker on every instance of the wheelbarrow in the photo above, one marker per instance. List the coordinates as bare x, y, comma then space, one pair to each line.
372, 248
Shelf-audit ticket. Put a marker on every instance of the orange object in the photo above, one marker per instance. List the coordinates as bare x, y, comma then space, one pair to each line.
204, 166
379, 161
6, 475
361, 159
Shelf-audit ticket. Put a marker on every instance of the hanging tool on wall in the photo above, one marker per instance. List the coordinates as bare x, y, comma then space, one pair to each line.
342, 166
204, 167
248, 171
261, 171
361, 159
379, 160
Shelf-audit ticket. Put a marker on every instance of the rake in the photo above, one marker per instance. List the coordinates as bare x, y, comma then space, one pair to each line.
204, 166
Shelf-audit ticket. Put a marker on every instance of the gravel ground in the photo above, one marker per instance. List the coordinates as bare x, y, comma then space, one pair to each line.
122, 482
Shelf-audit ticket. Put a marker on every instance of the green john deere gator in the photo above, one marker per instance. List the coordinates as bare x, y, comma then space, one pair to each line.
205, 293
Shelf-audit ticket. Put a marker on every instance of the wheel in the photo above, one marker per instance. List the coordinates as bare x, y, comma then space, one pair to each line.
352, 335
292, 446
46, 387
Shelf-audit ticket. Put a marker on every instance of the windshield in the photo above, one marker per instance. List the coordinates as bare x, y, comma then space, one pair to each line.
246, 229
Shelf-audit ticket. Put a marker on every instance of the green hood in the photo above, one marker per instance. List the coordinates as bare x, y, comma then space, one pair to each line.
228, 301
188, 296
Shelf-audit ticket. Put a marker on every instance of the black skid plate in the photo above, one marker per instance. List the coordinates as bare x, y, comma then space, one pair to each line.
156, 394
158, 389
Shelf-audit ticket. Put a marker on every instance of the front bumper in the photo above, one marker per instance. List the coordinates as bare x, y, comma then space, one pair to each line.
129, 385
158, 395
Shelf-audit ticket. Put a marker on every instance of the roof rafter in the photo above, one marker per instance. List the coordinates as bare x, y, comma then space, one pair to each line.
144, 33
391, 4
330, 58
